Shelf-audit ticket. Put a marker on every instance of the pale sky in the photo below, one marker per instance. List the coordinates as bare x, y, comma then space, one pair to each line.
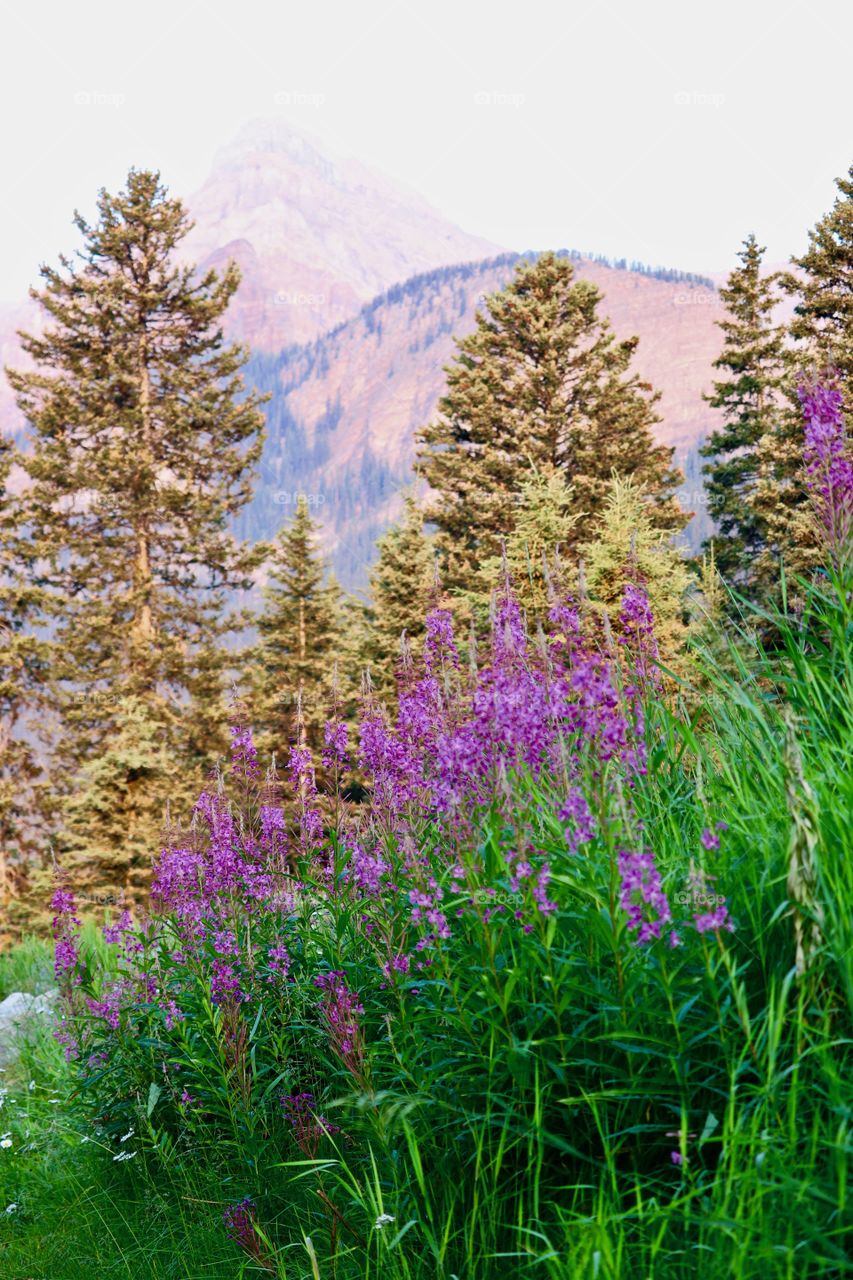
659, 131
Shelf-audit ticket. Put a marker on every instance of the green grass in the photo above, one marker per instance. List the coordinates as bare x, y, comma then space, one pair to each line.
27, 967
518, 1115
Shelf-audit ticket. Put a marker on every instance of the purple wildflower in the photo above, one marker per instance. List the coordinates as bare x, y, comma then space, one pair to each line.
335, 742
637, 631
309, 1127
278, 963
303, 781
244, 757
829, 467
241, 1225
575, 812
641, 894
65, 924
341, 1012
714, 921
366, 871
440, 645
225, 983
113, 932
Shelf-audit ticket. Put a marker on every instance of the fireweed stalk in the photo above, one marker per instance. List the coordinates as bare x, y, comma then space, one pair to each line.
829, 468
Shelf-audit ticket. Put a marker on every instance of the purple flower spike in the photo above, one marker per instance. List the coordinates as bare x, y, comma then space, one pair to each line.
829, 468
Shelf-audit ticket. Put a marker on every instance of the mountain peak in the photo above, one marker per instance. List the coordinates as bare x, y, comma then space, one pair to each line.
319, 233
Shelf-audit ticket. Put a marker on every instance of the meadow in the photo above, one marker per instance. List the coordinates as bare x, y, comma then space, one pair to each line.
571, 995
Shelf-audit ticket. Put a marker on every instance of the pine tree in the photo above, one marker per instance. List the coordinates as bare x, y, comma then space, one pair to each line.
545, 524
400, 584
22, 674
143, 440
822, 325
299, 633
628, 542
752, 404
821, 333
119, 802
541, 382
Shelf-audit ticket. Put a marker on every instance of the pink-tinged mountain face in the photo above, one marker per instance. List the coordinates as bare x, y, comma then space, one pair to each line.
385, 367
314, 237
346, 408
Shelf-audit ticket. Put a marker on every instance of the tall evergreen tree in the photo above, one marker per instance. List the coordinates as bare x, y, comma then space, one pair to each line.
143, 440
299, 633
22, 673
822, 284
751, 401
629, 544
821, 333
541, 381
400, 584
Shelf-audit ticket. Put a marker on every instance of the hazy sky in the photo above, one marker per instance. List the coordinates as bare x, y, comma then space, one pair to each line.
658, 131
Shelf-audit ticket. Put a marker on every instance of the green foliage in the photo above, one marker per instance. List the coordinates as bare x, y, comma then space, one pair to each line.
752, 405
143, 440
822, 285
400, 582
540, 383
28, 966
821, 337
118, 800
299, 634
627, 537
23, 671
515, 1105
545, 525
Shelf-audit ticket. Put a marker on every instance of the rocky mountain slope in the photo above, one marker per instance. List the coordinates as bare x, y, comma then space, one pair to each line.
345, 408
315, 236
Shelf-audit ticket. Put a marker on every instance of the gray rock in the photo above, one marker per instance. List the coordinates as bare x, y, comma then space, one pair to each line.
16, 1011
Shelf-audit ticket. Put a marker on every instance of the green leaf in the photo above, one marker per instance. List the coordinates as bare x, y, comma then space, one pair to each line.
154, 1092
711, 1124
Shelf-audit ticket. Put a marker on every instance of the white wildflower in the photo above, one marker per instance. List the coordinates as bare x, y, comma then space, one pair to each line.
5, 1141
31, 1085
11, 1208
124, 1155
383, 1220
127, 1135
